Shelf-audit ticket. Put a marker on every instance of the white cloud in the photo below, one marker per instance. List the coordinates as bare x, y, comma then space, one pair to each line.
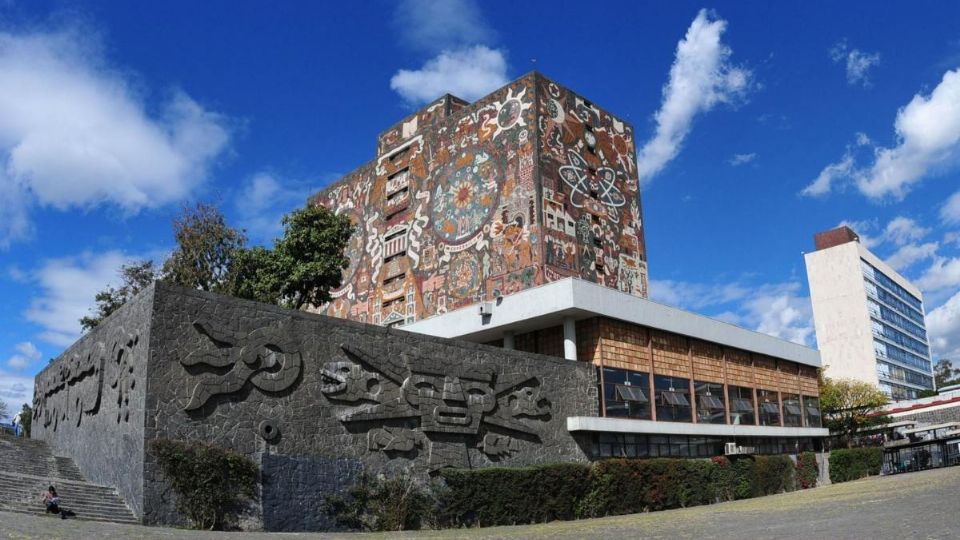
438, 25
741, 159
27, 353
950, 211
15, 391
263, 202
910, 254
776, 309
901, 230
833, 172
928, 137
75, 133
68, 287
943, 326
942, 274
701, 77
857, 62
468, 73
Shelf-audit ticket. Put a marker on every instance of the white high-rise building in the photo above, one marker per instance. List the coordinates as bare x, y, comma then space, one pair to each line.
869, 319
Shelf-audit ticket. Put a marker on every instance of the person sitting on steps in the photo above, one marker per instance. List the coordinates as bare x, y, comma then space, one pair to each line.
52, 502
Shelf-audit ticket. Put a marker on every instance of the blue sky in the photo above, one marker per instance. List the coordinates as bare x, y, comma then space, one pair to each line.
758, 124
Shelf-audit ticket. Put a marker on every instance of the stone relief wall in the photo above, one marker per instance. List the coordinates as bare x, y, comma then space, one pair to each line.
88, 403
467, 202
298, 392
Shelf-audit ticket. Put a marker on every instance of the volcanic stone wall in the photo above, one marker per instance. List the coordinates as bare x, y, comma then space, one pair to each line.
313, 400
88, 403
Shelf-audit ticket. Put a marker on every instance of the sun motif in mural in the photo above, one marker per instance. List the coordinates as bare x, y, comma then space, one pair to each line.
510, 112
465, 195
584, 182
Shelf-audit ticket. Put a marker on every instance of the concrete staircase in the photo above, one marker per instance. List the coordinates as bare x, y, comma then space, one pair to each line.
28, 467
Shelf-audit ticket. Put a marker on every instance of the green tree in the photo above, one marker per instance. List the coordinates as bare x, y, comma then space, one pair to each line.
309, 259
945, 374
850, 405
134, 278
255, 275
206, 249
26, 419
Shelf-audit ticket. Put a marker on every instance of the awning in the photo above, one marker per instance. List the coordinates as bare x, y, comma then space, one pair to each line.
630, 393
675, 398
770, 407
741, 405
792, 408
710, 402
813, 411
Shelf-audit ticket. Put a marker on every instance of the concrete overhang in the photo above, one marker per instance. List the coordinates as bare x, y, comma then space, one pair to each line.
547, 305
649, 427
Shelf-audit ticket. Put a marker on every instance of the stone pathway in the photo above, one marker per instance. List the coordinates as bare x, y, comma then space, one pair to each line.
909, 506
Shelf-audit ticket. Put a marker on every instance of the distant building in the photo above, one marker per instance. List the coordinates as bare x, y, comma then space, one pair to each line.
869, 319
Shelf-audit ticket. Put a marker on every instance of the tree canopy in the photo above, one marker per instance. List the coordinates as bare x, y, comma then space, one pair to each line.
850, 405
206, 249
945, 374
134, 278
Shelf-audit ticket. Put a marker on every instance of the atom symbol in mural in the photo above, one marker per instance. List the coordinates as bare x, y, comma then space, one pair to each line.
587, 183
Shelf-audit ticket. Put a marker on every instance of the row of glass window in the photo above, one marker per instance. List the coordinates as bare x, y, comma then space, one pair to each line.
890, 299
885, 350
898, 392
625, 395
883, 312
897, 373
881, 279
885, 330
628, 445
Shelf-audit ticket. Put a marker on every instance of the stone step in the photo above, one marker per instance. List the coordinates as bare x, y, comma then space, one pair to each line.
28, 467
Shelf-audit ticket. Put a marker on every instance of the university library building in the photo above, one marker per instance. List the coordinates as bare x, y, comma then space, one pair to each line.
494, 313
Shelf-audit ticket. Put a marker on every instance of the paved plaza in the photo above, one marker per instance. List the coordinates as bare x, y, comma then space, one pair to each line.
918, 505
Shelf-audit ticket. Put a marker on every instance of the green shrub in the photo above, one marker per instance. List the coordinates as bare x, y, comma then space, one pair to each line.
508, 496
852, 463
394, 503
623, 486
745, 477
724, 478
212, 484
807, 470
775, 474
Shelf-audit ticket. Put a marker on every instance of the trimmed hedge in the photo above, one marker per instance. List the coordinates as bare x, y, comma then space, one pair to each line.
807, 470
514, 496
852, 463
508, 496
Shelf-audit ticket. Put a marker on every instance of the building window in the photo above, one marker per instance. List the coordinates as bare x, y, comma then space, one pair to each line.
625, 393
811, 409
769, 408
741, 406
673, 403
710, 407
792, 413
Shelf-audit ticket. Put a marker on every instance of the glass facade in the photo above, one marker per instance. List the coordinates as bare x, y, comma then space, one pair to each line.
625, 393
629, 445
741, 406
792, 410
769, 406
900, 338
673, 399
710, 403
811, 411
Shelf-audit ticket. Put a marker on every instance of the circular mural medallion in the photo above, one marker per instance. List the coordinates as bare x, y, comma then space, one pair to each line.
464, 276
509, 113
466, 193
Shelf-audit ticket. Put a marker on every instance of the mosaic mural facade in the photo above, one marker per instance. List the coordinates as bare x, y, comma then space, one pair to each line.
468, 202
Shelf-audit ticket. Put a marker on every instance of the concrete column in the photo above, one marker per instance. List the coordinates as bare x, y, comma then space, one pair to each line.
508, 340
569, 338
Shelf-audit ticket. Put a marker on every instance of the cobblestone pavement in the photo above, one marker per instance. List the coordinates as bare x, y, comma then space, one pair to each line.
910, 506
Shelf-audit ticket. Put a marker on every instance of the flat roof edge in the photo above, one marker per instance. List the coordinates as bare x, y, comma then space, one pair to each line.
650, 427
